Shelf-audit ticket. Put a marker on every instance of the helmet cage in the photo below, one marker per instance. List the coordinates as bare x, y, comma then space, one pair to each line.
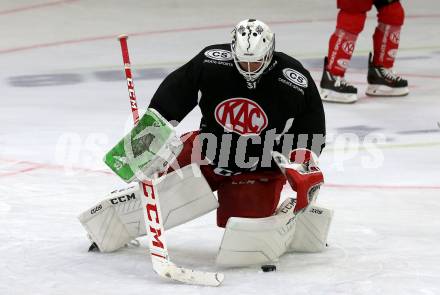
240, 56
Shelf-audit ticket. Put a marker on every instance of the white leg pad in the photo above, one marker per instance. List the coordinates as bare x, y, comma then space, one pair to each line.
184, 195
251, 241
105, 227
312, 228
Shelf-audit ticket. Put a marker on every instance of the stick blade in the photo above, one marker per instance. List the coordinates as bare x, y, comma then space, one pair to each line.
171, 271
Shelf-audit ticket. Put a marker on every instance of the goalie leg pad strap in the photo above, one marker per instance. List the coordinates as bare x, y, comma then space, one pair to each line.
251, 241
184, 195
312, 228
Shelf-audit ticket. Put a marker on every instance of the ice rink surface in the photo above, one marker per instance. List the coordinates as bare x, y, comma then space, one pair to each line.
64, 104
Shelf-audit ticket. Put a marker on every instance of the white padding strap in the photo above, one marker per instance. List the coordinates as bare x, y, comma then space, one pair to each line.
250, 241
312, 228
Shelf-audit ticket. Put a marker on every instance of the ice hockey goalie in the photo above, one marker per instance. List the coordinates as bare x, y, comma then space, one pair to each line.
262, 127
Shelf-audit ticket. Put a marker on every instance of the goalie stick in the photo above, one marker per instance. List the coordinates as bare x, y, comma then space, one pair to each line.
152, 214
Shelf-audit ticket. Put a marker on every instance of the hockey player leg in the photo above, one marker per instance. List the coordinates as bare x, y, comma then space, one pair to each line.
312, 228
305, 177
343, 40
386, 37
257, 241
250, 195
184, 195
109, 225
253, 233
350, 22
382, 81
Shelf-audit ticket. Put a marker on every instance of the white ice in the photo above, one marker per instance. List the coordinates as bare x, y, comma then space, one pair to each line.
64, 103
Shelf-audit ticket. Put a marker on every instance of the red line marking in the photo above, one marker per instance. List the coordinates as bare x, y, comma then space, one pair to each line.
158, 255
35, 6
433, 15
376, 186
319, 70
420, 75
411, 86
20, 171
75, 168
176, 30
52, 44
36, 165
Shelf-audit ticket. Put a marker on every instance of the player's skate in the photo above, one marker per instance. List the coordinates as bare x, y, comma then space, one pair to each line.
336, 88
384, 82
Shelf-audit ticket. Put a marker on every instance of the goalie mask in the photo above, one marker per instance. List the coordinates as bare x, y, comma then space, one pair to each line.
252, 47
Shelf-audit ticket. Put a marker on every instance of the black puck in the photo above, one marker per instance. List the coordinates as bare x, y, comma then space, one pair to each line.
268, 267
93, 247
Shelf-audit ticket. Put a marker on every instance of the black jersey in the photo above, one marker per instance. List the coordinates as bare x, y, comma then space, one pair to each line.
281, 112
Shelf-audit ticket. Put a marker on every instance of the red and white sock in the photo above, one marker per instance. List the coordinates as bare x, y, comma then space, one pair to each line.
341, 47
386, 42
387, 35
343, 40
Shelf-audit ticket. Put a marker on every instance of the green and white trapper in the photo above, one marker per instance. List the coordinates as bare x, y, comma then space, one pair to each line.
147, 149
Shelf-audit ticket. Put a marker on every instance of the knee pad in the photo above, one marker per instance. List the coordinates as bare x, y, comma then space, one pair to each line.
391, 14
351, 22
258, 241
355, 6
248, 196
312, 228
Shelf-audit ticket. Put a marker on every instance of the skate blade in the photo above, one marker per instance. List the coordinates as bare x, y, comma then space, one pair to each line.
383, 90
333, 96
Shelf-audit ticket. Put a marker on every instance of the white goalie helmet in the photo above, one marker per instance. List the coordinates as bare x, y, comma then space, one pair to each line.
252, 41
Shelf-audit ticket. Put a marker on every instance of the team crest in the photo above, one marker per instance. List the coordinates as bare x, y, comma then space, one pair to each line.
242, 116
348, 47
395, 37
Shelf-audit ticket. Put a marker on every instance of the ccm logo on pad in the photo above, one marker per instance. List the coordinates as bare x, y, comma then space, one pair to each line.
218, 54
295, 77
242, 116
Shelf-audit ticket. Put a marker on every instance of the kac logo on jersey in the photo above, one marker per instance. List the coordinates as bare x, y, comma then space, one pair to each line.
218, 54
295, 77
242, 116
